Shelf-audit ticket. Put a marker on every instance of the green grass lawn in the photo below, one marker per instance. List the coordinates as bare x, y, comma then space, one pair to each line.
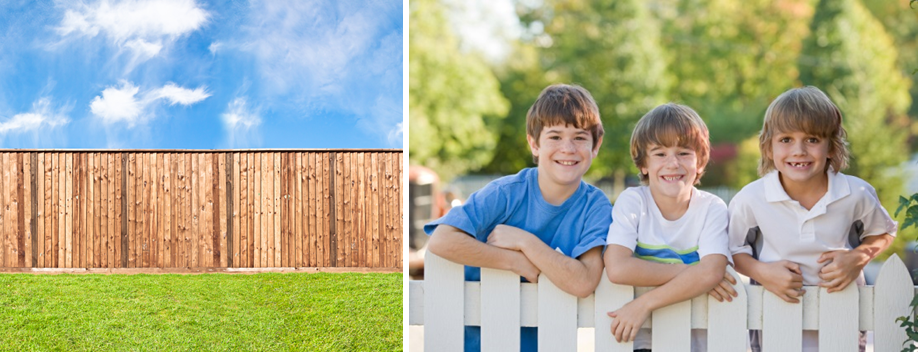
314, 312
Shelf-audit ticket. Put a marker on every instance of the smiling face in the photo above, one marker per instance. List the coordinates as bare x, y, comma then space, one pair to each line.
671, 171
800, 158
565, 154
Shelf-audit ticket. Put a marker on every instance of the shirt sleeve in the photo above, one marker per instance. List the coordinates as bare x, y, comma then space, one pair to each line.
478, 216
875, 218
596, 225
741, 221
714, 239
626, 215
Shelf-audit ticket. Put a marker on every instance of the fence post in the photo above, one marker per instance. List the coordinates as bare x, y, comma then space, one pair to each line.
893, 292
444, 302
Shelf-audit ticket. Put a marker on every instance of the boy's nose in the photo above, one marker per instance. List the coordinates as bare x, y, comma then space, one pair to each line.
568, 146
798, 149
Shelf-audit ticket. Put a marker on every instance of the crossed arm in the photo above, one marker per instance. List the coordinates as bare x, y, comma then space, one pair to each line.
510, 248
688, 283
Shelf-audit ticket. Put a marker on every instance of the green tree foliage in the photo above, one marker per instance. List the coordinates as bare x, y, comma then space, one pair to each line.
731, 58
851, 57
454, 100
612, 49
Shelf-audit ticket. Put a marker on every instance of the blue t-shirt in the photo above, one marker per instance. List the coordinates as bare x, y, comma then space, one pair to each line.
574, 227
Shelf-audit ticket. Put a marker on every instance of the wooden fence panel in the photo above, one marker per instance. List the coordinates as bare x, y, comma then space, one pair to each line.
500, 310
165, 209
557, 317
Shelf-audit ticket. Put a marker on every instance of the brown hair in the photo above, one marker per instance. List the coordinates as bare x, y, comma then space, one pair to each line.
808, 110
670, 125
564, 104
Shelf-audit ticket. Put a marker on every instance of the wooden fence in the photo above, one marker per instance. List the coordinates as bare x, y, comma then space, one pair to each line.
195, 209
500, 304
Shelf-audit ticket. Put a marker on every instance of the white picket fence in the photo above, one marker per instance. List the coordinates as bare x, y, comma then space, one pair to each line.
443, 303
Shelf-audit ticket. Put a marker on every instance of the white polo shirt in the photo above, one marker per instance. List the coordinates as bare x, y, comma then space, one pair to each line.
788, 231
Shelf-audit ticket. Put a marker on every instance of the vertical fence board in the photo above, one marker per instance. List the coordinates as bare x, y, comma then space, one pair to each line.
258, 182
302, 200
360, 202
286, 252
119, 234
220, 208
23, 194
727, 320
15, 212
155, 225
62, 210
8, 256
783, 323
168, 247
557, 316
322, 211
672, 327
310, 222
893, 291
244, 215
838, 319
444, 305
208, 211
609, 297
32, 209
103, 210
374, 218
42, 213
275, 215
500, 310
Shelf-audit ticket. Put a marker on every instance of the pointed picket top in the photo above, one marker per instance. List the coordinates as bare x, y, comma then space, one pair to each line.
444, 301
608, 298
893, 292
727, 320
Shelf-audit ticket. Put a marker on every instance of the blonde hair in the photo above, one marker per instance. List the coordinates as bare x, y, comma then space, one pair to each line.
810, 111
564, 104
670, 125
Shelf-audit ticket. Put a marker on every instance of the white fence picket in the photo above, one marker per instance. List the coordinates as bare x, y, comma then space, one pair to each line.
838, 319
500, 310
782, 324
727, 320
444, 289
892, 292
609, 297
557, 317
672, 327
445, 303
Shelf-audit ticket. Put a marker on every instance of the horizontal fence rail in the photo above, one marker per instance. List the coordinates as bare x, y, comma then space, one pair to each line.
200, 209
500, 304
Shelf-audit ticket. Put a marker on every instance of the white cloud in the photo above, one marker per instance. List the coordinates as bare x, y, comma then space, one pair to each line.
142, 26
214, 47
241, 122
123, 105
396, 135
330, 57
179, 95
117, 104
41, 115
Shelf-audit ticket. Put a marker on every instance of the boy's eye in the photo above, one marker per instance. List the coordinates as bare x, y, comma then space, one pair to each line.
785, 140
813, 140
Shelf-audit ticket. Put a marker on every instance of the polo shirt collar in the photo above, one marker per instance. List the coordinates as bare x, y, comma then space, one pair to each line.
838, 188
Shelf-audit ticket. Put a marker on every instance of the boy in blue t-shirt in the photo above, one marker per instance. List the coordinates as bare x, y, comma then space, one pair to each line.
541, 220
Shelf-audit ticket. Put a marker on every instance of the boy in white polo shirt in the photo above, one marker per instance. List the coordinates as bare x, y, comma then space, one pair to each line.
805, 223
667, 233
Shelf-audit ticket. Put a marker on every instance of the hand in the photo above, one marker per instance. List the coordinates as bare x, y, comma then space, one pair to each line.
521, 265
627, 320
842, 267
724, 290
509, 237
784, 279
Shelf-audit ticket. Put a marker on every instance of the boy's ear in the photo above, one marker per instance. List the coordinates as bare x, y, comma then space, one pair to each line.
596, 148
533, 144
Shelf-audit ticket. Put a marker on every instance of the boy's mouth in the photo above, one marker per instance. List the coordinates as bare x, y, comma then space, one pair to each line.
672, 178
567, 163
798, 165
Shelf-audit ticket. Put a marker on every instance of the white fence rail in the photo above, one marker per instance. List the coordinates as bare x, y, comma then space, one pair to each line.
500, 304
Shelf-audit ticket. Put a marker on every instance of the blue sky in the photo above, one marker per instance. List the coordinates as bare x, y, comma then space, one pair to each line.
201, 74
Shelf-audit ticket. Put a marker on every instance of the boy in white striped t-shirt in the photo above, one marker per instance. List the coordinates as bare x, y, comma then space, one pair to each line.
667, 233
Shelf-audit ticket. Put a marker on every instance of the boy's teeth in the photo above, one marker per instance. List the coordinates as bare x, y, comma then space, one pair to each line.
671, 178
567, 163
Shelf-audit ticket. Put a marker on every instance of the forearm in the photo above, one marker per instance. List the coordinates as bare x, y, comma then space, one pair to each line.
577, 276
624, 269
456, 246
690, 283
874, 245
747, 265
